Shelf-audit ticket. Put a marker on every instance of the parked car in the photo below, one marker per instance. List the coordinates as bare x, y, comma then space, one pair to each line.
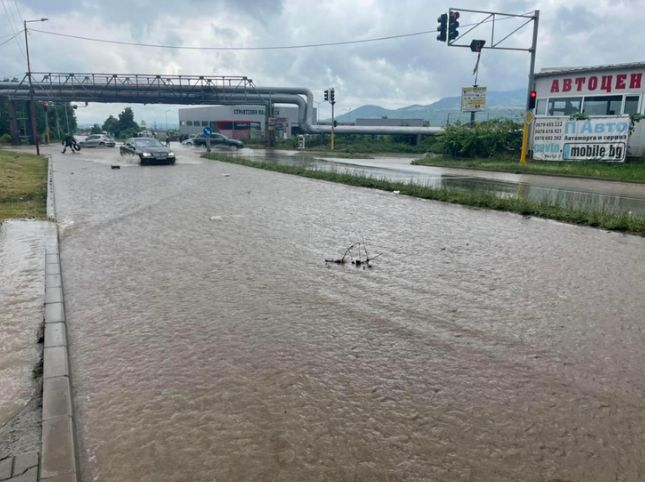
188, 141
97, 140
149, 150
217, 139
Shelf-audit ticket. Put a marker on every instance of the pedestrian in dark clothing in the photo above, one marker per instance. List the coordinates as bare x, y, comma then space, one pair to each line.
69, 141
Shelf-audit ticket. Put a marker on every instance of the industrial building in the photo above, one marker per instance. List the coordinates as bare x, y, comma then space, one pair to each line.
240, 121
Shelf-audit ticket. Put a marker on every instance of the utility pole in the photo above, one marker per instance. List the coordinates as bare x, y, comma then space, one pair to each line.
330, 95
57, 123
34, 126
67, 118
46, 109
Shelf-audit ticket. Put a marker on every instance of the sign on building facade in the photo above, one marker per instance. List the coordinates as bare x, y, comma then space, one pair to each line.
566, 139
473, 99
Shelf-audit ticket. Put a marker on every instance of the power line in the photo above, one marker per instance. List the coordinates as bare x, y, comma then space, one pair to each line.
283, 47
11, 38
10, 19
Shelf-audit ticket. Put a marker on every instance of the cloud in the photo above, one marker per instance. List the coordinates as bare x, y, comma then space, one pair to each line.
392, 73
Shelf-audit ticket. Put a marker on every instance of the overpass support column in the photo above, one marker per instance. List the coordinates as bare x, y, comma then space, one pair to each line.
13, 123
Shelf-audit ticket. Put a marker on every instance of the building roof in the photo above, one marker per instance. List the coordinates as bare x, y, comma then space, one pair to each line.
552, 71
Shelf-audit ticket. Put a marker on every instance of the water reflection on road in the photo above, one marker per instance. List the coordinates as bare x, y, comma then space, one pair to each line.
209, 340
607, 196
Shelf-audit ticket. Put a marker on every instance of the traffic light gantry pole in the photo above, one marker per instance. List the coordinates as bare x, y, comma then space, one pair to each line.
447, 28
330, 96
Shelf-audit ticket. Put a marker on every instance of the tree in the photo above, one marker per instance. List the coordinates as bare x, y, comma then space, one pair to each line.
96, 129
111, 125
127, 126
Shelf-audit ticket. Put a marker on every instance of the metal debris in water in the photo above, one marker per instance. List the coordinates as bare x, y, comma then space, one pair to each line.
355, 254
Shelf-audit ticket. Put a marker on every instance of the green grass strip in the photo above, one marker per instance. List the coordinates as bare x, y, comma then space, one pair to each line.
615, 222
23, 186
633, 171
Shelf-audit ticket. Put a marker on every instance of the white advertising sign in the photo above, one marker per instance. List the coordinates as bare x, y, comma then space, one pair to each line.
473, 99
565, 139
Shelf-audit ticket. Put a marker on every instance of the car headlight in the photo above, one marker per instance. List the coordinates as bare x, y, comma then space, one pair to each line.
146, 154
171, 154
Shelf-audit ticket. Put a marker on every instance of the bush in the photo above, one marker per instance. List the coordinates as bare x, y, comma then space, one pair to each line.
5, 139
486, 139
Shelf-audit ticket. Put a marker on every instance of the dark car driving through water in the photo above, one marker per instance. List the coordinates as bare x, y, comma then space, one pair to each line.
217, 139
149, 150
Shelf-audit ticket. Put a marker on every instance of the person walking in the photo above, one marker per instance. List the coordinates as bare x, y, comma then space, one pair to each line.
69, 141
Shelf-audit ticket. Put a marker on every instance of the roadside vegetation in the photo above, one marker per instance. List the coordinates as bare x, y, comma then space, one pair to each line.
621, 222
632, 170
23, 186
362, 144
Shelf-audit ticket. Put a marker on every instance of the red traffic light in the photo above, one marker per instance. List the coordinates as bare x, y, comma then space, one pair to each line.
532, 99
45, 105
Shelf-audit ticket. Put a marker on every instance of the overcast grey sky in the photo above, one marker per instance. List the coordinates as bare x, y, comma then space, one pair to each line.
391, 73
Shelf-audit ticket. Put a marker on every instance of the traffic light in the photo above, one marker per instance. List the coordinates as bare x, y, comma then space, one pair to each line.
332, 96
45, 105
327, 95
442, 27
453, 25
532, 99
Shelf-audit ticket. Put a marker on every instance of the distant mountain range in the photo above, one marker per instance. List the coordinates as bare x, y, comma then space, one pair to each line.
507, 104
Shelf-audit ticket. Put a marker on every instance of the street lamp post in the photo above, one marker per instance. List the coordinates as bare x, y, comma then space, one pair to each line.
34, 127
167, 119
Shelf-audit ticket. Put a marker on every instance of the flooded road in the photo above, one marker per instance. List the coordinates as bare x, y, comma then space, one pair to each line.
22, 297
588, 194
210, 342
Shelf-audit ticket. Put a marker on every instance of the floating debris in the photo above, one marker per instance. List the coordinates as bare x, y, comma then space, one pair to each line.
355, 254
115, 166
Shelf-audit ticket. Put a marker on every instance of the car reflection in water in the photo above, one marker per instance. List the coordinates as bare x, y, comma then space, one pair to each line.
149, 150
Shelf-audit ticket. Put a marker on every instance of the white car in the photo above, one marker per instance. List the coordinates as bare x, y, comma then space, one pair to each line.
188, 142
97, 140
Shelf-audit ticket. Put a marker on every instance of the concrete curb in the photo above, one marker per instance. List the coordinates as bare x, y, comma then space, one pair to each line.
59, 462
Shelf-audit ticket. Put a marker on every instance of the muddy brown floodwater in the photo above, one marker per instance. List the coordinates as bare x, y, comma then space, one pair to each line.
210, 342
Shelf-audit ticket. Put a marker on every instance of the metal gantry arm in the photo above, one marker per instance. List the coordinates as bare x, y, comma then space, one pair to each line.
492, 18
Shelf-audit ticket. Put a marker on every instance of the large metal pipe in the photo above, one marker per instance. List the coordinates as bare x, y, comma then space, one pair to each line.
191, 95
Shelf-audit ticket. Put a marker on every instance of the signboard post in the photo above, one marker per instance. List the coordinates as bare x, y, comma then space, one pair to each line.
564, 139
207, 131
